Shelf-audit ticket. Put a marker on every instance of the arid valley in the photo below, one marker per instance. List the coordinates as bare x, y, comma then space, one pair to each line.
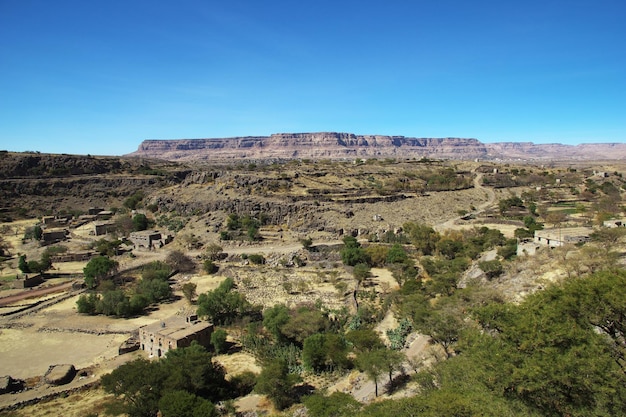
421, 258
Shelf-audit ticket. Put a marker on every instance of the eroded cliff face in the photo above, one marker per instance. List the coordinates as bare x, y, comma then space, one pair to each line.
556, 151
333, 145
324, 145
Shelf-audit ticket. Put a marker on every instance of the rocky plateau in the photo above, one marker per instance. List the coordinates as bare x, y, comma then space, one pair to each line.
333, 145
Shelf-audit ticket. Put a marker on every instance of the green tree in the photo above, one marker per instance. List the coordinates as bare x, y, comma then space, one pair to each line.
304, 322
364, 340
492, 269
134, 200
377, 254
361, 272
373, 364
274, 318
137, 387
97, 269
192, 369
33, 233
337, 404
277, 383
189, 291
222, 305
423, 237
22, 264
218, 340
313, 354
185, 404
209, 267
140, 222
397, 255
307, 243
86, 304
352, 253
325, 351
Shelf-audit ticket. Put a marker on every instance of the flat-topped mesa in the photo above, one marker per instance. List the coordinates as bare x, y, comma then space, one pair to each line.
326, 145
333, 145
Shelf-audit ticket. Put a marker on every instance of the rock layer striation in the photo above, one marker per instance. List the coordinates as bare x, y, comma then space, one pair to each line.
333, 145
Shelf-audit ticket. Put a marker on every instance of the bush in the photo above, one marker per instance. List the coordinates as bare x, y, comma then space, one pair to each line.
180, 262
210, 267
256, 259
218, 340
492, 269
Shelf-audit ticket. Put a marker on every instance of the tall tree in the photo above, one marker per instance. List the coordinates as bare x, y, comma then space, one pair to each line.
277, 383
373, 364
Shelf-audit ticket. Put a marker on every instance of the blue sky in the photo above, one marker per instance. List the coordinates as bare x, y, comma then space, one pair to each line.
99, 77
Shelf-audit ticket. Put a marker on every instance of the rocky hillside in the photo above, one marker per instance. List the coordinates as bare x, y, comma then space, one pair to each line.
332, 145
36, 183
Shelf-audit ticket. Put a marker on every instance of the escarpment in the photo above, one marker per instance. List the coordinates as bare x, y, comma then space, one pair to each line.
337, 146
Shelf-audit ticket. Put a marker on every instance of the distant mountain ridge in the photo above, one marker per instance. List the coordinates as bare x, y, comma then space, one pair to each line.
334, 145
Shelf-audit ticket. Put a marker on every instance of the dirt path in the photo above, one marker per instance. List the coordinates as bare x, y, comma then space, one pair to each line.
450, 223
366, 390
11, 299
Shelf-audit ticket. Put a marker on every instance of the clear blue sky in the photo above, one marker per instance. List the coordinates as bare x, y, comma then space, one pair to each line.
98, 77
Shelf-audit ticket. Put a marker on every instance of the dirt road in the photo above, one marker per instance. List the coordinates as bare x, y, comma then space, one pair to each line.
478, 184
12, 299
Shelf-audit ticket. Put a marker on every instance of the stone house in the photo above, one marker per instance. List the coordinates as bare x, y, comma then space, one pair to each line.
149, 239
562, 236
56, 221
158, 338
104, 228
49, 237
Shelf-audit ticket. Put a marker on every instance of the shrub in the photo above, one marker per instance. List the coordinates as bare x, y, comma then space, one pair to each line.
256, 259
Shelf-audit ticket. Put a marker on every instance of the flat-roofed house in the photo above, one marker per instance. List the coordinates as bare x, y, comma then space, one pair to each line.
158, 338
563, 236
149, 239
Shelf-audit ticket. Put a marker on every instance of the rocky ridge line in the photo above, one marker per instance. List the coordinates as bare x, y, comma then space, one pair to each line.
333, 145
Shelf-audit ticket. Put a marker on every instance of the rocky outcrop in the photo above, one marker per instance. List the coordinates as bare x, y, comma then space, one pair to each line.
333, 145
529, 151
60, 374
324, 145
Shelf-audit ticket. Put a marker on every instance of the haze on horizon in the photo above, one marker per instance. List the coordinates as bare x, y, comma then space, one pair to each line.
98, 78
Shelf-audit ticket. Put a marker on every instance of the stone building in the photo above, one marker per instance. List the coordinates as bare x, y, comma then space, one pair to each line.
149, 239
175, 332
104, 228
49, 237
562, 236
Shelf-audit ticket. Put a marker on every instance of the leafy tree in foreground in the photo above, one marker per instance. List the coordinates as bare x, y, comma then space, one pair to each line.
137, 386
185, 404
183, 383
